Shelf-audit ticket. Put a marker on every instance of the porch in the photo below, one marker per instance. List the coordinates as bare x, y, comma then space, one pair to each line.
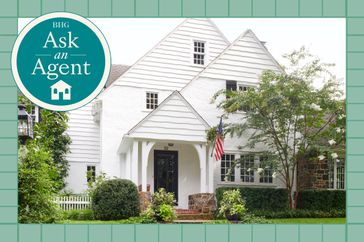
184, 168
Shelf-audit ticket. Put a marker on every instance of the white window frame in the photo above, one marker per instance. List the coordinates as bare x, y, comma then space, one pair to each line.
227, 168
252, 171
264, 176
335, 177
237, 180
146, 100
205, 54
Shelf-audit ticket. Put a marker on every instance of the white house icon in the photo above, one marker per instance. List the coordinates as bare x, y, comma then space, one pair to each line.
62, 88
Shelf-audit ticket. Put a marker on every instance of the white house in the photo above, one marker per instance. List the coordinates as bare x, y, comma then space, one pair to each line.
62, 89
150, 124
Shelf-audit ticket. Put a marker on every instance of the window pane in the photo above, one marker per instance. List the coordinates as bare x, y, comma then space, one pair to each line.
231, 85
247, 168
266, 176
227, 174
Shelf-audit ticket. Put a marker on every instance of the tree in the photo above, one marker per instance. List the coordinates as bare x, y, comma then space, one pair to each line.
36, 185
290, 117
50, 134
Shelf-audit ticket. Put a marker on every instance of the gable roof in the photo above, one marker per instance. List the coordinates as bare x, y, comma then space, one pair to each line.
244, 60
61, 84
116, 71
153, 70
173, 119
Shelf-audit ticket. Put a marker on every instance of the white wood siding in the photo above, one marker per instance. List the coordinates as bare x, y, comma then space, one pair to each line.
169, 65
244, 61
85, 136
173, 120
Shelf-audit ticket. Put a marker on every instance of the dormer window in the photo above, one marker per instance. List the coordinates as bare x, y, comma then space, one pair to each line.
151, 100
199, 51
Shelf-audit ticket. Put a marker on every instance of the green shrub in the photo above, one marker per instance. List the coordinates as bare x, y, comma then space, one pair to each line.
86, 214
115, 199
259, 198
232, 204
161, 207
36, 185
166, 213
322, 200
300, 213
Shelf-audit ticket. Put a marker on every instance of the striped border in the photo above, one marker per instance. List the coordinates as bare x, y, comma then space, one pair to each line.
352, 10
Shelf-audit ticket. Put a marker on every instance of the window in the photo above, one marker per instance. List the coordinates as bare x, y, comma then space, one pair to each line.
247, 168
226, 165
231, 85
336, 174
66, 91
55, 90
152, 100
243, 88
91, 173
266, 175
199, 51
340, 182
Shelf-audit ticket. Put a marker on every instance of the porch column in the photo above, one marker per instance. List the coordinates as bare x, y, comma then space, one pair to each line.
201, 150
128, 164
146, 147
211, 160
134, 163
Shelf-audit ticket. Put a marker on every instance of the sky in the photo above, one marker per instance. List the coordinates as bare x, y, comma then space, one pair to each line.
129, 39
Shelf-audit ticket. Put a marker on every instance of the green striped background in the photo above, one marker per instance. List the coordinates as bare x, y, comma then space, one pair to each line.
352, 10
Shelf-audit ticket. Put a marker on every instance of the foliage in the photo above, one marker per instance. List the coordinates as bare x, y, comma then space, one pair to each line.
309, 221
50, 134
115, 199
131, 220
85, 214
289, 116
259, 198
161, 207
162, 197
247, 219
93, 184
166, 213
300, 213
36, 185
323, 200
232, 204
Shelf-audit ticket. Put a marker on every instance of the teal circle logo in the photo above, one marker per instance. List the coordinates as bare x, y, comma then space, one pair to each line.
61, 61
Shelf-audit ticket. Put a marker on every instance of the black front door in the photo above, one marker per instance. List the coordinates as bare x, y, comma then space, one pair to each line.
166, 171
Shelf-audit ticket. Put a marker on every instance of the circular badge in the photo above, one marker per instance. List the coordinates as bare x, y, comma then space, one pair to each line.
61, 61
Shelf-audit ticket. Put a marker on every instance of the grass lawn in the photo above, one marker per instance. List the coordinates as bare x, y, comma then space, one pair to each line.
274, 221
308, 221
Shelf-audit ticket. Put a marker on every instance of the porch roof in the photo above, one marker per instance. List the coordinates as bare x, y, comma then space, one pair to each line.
173, 120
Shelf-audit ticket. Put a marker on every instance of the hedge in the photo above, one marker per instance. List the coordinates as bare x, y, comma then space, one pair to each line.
300, 213
271, 199
321, 200
115, 199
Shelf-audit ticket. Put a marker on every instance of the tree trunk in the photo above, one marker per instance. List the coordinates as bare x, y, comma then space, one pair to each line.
292, 197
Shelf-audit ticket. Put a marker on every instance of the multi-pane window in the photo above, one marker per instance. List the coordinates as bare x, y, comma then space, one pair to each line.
91, 173
243, 88
199, 50
247, 168
231, 85
336, 174
227, 171
151, 100
340, 168
266, 175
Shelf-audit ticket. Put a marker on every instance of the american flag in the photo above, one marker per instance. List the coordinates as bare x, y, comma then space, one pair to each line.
219, 142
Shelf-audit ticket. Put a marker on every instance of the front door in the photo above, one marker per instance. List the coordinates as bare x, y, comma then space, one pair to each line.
166, 171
